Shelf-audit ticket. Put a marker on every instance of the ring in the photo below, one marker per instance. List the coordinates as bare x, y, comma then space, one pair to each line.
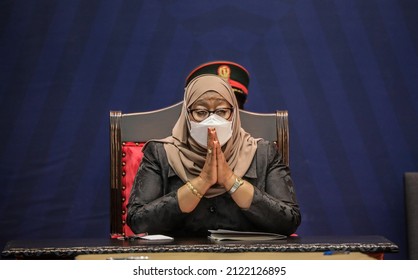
209, 151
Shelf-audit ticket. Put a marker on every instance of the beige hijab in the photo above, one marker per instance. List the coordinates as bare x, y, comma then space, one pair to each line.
187, 157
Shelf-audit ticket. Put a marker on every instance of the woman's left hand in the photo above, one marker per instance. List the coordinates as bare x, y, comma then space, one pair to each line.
224, 172
226, 178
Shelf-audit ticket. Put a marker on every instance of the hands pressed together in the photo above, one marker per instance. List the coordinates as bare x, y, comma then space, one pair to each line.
215, 171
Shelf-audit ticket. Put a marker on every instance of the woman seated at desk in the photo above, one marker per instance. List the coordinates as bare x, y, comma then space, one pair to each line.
211, 174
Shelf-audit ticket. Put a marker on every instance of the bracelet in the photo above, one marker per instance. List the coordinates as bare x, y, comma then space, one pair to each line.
193, 190
238, 183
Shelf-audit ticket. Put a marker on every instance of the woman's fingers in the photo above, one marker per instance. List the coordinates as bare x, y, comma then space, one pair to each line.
209, 171
210, 146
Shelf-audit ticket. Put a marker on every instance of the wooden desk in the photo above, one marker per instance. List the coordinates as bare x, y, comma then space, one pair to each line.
315, 247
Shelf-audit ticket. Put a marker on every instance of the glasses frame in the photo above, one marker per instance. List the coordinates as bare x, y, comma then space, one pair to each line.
211, 112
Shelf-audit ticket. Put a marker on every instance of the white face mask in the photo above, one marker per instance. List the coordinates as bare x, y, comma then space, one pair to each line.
199, 130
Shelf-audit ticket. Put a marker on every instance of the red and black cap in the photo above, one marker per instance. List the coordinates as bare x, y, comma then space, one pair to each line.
237, 76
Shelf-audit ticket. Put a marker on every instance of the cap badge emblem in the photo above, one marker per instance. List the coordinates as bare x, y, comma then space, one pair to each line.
224, 71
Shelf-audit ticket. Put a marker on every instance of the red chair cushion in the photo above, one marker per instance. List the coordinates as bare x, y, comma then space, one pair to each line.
131, 158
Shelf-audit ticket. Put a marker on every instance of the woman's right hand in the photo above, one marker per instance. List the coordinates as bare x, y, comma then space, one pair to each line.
208, 177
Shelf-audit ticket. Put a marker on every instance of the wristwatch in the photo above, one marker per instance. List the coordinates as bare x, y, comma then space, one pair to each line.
238, 183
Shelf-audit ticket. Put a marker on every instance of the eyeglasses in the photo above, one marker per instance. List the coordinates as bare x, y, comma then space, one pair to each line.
202, 114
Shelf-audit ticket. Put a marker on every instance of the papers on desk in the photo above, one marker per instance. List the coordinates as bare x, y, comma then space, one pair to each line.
232, 235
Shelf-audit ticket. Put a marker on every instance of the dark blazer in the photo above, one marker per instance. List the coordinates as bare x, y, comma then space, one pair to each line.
153, 205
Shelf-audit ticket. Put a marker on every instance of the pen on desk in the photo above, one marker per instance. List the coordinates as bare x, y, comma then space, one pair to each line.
135, 236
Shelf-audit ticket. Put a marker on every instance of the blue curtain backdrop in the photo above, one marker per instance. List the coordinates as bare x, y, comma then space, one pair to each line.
346, 70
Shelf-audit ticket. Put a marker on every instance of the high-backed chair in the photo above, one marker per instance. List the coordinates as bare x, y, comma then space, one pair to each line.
129, 132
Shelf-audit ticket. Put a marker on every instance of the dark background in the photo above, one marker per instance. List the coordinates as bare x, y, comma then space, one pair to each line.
346, 70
